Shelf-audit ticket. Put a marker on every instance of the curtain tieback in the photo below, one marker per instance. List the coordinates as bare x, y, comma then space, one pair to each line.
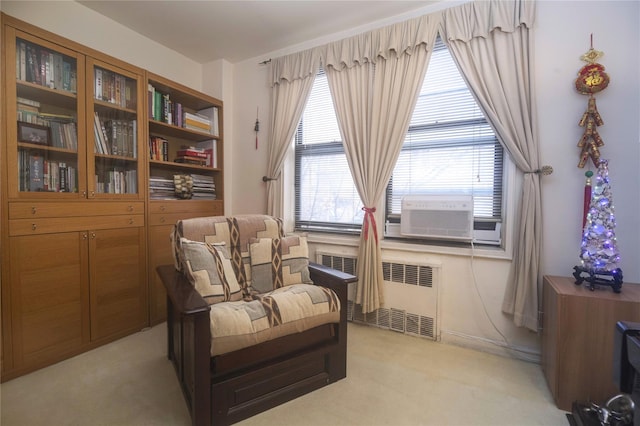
369, 217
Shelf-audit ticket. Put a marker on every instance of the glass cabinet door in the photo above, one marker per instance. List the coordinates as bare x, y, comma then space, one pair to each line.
45, 131
114, 114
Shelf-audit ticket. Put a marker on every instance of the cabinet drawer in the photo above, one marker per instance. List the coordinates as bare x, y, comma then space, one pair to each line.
27, 210
171, 218
199, 208
66, 224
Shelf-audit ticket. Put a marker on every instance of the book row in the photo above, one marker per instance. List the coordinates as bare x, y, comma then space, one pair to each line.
62, 131
202, 155
40, 174
115, 137
35, 64
162, 108
114, 88
117, 181
158, 148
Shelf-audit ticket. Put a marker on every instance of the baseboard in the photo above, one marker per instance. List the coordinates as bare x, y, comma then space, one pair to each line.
490, 346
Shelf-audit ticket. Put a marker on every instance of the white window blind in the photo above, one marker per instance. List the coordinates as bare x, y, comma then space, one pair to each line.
450, 147
326, 197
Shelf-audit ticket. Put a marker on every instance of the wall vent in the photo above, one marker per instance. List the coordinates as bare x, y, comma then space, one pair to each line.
410, 293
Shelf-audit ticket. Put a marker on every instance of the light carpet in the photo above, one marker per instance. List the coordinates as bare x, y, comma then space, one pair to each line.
392, 379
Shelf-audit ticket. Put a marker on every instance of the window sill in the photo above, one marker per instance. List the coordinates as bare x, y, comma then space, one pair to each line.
478, 251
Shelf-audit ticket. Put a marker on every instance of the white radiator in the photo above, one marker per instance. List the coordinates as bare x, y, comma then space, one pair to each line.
411, 295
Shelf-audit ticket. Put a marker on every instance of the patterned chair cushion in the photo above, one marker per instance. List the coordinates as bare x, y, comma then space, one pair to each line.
278, 262
212, 229
242, 229
284, 311
208, 267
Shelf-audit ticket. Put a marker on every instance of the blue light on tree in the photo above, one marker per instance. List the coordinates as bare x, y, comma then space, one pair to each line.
599, 255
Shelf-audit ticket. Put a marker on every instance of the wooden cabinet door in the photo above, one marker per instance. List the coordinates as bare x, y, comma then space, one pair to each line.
49, 297
160, 254
118, 282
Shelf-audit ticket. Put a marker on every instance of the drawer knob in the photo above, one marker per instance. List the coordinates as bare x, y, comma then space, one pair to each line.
33, 226
33, 210
162, 219
130, 208
84, 235
93, 235
131, 221
162, 208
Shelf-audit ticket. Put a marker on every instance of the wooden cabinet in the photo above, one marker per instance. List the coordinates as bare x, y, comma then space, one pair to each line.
169, 105
114, 136
163, 215
578, 338
74, 262
84, 213
118, 294
49, 298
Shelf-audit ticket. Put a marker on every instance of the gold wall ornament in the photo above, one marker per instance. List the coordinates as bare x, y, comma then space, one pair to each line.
591, 79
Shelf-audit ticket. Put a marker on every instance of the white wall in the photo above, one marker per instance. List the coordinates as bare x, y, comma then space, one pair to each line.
562, 35
85, 26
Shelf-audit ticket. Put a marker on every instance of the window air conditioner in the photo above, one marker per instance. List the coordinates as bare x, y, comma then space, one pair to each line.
437, 216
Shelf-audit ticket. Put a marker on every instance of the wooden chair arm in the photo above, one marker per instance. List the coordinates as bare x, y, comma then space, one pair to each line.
185, 298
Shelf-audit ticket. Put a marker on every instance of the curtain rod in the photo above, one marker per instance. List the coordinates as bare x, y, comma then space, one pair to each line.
264, 62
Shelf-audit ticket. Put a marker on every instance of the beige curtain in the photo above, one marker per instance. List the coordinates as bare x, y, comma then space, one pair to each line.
375, 79
291, 79
492, 43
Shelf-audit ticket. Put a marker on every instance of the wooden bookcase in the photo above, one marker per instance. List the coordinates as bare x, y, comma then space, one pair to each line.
578, 338
167, 138
81, 232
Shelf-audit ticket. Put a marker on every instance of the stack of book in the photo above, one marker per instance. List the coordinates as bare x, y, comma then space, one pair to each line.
197, 122
161, 188
203, 187
191, 155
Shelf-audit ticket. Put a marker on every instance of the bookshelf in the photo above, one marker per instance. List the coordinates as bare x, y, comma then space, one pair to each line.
74, 260
185, 145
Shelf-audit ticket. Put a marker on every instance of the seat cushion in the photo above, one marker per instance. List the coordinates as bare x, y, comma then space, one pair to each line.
284, 311
279, 262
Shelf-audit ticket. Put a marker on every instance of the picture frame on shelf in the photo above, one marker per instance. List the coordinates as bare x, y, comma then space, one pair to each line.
33, 133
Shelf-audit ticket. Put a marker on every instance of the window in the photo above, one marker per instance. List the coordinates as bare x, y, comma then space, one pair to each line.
450, 148
326, 197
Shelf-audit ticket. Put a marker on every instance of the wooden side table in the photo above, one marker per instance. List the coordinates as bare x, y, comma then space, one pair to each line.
578, 328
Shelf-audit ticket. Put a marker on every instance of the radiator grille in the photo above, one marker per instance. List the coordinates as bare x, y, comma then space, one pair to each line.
398, 276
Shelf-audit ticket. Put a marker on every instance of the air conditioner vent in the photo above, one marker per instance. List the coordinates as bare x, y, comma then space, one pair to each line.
397, 320
408, 274
411, 296
437, 216
384, 318
426, 327
350, 306
413, 324
358, 315
341, 263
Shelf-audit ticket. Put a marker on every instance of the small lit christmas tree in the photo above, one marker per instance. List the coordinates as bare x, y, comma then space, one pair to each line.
599, 255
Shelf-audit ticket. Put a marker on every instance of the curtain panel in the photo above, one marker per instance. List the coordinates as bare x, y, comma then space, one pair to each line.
375, 81
289, 94
492, 44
